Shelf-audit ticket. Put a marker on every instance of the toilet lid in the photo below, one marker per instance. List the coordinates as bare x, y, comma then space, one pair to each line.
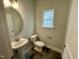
39, 43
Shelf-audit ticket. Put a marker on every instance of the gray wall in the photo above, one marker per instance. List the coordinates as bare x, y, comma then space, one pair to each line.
72, 31
26, 9
61, 11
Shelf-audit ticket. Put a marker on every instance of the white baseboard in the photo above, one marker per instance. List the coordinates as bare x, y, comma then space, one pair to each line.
64, 56
67, 53
54, 48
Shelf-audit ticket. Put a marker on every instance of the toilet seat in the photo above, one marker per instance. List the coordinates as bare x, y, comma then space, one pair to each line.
39, 43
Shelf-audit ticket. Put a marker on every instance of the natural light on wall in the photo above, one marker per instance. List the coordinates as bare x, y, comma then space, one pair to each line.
13, 3
6, 3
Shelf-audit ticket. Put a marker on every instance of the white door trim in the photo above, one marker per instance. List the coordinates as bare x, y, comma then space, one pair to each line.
67, 53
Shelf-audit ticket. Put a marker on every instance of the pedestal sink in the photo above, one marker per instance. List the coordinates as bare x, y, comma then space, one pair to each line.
18, 44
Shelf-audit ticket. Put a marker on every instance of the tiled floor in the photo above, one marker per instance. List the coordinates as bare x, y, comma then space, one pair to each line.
46, 54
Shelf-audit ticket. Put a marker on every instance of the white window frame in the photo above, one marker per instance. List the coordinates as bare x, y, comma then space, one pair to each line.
52, 19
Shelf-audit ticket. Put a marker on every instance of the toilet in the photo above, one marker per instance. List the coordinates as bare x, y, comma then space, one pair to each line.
38, 45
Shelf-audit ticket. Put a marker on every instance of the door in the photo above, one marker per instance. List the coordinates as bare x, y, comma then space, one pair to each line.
10, 26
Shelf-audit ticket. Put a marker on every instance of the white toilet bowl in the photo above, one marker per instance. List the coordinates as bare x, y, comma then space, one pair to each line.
39, 43
39, 46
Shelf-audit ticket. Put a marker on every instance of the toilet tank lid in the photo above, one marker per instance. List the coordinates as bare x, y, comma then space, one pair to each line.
34, 36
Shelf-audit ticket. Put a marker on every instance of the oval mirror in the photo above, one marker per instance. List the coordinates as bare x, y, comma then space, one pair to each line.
14, 20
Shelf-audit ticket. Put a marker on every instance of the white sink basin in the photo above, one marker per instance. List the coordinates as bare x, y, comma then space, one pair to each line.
20, 43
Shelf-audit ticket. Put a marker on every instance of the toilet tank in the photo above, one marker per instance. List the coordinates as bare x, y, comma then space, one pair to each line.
33, 38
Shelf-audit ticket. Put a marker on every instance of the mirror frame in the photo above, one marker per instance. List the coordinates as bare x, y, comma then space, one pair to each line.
7, 10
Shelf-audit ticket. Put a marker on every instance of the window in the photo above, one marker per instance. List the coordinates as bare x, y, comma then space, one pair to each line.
48, 19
